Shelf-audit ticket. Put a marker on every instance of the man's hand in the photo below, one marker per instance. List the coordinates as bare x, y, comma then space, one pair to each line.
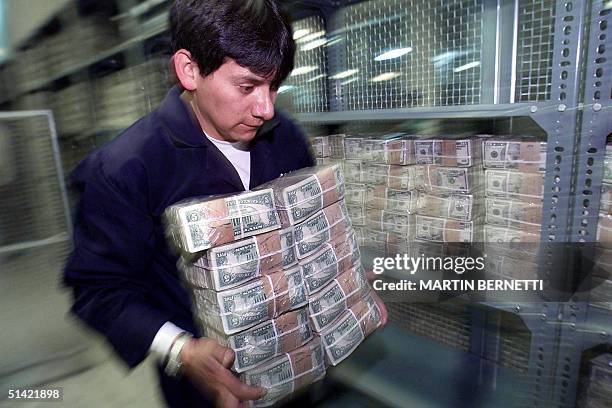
371, 276
381, 305
206, 363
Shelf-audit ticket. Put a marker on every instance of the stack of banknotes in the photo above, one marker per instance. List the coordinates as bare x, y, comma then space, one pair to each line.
514, 189
271, 272
449, 205
597, 389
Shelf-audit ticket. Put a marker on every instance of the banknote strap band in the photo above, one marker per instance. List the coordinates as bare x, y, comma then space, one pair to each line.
344, 298
371, 307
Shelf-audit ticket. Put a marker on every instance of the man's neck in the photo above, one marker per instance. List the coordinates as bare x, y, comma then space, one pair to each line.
188, 99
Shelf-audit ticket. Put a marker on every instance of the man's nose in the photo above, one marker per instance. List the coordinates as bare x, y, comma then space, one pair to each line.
264, 106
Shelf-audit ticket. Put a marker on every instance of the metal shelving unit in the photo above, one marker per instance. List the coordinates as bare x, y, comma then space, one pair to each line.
514, 83
544, 50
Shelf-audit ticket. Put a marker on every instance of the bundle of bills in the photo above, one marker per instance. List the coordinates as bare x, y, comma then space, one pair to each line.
195, 225
384, 198
331, 260
352, 327
353, 148
604, 230
355, 171
388, 151
263, 298
302, 193
514, 185
233, 264
599, 390
497, 234
516, 214
448, 152
357, 214
359, 235
322, 227
355, 194
448, 180
606, 198
375, 240
320, 146
327, 304
287, 374
269, 339
388, 221
608, 164
456, 206
513, 268
396, 177
524, 156
336, 145
601, 293
445, 230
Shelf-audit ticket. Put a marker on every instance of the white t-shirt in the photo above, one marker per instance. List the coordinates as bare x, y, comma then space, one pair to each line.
239, 155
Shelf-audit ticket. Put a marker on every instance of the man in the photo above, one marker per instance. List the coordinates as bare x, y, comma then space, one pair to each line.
215, 134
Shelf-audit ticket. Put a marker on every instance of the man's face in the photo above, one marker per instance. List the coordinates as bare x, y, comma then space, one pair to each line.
232, 102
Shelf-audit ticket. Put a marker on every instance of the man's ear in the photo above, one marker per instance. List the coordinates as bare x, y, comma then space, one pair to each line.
186, 69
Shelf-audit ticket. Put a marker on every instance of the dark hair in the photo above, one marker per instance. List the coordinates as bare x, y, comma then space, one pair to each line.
254, 33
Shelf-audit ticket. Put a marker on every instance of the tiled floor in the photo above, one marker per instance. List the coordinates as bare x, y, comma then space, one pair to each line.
42, 345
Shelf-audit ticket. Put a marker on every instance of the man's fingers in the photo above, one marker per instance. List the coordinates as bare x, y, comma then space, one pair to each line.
242, 391
223, 355
225, 399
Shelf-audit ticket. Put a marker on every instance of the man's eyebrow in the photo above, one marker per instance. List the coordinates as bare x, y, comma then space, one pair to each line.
249, 78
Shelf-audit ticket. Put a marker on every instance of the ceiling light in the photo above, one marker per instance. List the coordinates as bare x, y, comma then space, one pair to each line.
385, 77
345, 74
300, 33
348, 81
311, 37
467, 66
303, 70
393, 54
315, 78
285, 88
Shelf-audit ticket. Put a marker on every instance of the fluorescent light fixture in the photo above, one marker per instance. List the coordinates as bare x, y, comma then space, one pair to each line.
467, 66
385, 77
315, 78
285, 88
345, 74
348, 81
303, 70
333, 41
396, 53
313, 44
300, 33
311, 37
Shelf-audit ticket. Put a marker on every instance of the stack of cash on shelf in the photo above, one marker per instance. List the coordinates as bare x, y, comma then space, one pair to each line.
275, 274
601, 294
597, 389
449, 205
514, 180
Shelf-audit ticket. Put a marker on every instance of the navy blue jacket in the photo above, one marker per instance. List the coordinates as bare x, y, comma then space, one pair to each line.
122, 272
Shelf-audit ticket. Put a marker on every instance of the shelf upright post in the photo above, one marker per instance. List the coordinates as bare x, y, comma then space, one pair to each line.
586, 326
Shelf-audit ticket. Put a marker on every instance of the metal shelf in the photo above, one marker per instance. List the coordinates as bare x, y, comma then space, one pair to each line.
124, 46
436, 112
384, 368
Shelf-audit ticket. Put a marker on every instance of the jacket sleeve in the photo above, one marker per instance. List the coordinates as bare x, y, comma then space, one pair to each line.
113, 245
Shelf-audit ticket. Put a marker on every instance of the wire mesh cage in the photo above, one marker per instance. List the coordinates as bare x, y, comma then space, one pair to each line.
534, 52
32, 200
306, 88
407, 53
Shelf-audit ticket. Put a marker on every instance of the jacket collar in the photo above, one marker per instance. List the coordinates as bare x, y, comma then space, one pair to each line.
184, 128
185, 132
